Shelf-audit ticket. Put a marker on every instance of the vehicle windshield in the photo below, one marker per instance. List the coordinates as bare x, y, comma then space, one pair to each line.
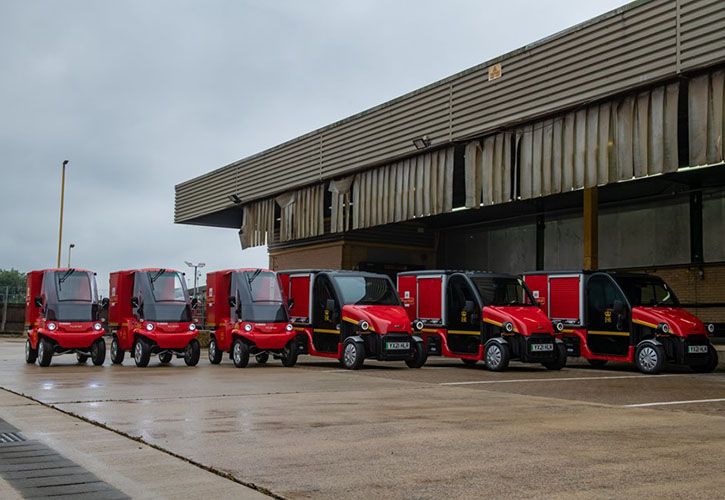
366, 290
74, 299
647, 291
263, 286
503, 291
259, 297
74, 286
167, 286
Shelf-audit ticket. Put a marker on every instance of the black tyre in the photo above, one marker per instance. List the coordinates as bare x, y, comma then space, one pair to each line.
81, 358
709, 365
141, 353
30, 354
469, 362
117, 354
597, 363
353, 355
289, 354
215, 355
98, 352
497, 357
45, 352
192, 353
418, 356
261, 358
560, 361
165, 357
240, 354
649, 358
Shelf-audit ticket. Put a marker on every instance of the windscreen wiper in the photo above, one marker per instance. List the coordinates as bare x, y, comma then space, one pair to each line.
254, 276
64, 277
156, 276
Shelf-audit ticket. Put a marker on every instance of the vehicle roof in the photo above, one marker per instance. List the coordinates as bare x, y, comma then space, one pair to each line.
61, 269
448, 272
148, 270
333, 272
241, 270
623, 274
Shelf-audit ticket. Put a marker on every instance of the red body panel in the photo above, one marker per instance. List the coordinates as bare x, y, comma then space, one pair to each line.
382, 319
526, 320
565, 298
407, 291
297, 287
680, 321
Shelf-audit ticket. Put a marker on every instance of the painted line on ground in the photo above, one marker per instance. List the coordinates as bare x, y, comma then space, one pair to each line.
666, 403
560, 379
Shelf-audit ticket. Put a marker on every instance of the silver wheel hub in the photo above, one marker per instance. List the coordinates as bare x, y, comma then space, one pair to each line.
212, 349
137, 351
237, 352
350, 354
27, 349
114, 348
493, 355
41, 349
648, 358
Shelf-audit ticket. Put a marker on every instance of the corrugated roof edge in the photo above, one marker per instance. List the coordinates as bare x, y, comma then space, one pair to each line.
448, 79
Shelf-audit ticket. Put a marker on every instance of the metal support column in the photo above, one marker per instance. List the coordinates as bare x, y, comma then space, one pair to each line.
696, 245
591, 229
540, 241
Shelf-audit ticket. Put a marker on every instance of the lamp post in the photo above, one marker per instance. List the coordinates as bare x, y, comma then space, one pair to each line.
70, 247
62, 195
195, 266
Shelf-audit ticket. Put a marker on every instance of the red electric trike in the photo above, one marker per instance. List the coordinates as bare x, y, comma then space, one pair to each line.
150, 313
624, 317
350, 316
61, 316
248, 315
480, 316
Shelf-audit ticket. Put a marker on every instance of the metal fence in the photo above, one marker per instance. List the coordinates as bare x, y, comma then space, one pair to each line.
10, 295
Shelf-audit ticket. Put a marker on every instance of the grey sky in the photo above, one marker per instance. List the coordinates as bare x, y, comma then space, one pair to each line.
141, 95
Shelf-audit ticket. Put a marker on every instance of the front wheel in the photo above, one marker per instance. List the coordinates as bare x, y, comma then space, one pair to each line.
30, 354
117, 354
650, 358
192, 353
560, 360
418, 357
353, 355
240, 354
261, 358
289, 354
497, 357
141, 353
709, 365
45, 352
215, 355
98, 352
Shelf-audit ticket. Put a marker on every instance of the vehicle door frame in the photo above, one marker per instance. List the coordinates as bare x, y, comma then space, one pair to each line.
596, 334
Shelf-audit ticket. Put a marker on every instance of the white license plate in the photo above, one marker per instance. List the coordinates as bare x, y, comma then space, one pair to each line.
697, 349
542, 347
397, 346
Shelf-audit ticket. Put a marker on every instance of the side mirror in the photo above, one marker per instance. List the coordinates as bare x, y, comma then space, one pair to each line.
468, 307
290, 302
232, 302
104, 302
194, 302
330, 305
134, 301
38, 301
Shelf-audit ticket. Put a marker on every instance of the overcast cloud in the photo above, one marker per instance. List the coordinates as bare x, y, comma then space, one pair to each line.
141, 95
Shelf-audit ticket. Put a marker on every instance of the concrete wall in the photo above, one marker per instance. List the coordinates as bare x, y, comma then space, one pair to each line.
323, 256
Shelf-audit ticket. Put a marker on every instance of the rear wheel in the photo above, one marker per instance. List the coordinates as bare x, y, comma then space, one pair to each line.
165, 357
141, 353
261, 358
289, 354
469, 362
215, 355
117, 354
418, 357
45, 352
597, 363
30, 354
192, 353
497, 357
81, 358
240, 354
353, 355
560, 361
709, 365
650, 358
98, 352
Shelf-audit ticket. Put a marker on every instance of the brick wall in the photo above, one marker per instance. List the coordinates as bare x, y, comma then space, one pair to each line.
317, 257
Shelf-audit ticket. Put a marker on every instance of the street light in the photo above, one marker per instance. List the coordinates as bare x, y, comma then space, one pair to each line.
195, 266
70, 247
62, 195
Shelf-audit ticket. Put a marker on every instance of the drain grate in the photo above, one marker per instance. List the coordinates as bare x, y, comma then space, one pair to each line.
11, 437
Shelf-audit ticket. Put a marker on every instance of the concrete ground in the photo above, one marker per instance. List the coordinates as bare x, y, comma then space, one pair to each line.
315, 431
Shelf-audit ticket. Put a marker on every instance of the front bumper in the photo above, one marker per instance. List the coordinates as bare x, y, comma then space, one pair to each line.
176, 340
377, 346
72, 340
269, 341
529, 348
678, 349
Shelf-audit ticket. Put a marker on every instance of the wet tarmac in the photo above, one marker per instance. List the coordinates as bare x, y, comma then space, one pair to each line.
446, 430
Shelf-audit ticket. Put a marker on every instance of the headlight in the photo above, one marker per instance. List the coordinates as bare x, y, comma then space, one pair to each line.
149, 327
51, 326
192, 327
289, 327
710, 328
664, 328
247, 327
559, 326
418, 325
97, 327
508, 326
364, 325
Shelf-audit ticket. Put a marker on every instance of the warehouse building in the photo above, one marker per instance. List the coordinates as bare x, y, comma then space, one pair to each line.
598, 147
